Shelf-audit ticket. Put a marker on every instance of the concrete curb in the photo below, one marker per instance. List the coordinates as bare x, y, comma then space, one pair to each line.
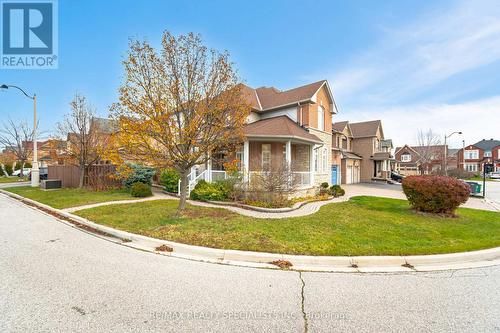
354, 264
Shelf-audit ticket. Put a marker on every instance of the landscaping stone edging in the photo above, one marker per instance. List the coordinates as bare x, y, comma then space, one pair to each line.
359, 264
264, 209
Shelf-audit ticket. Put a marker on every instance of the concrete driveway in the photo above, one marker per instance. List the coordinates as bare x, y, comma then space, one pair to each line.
395, 191
55, 278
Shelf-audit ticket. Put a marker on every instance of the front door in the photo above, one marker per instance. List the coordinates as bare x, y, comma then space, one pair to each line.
335, 169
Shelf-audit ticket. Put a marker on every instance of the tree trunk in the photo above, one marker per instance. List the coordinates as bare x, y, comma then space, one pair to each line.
184, 190
21, 172
82, 176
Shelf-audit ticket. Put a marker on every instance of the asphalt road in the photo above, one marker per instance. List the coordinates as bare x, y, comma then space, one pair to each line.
55, 278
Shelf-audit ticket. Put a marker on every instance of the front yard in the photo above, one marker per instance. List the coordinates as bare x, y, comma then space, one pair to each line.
362, 226
4, 180
70, 197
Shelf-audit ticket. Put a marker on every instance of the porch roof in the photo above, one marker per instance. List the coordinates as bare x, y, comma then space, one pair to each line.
381, 156
352, 156
279, 127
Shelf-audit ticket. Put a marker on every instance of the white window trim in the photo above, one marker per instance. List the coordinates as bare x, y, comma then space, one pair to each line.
488, 153
473, 152
268, 163
405, 157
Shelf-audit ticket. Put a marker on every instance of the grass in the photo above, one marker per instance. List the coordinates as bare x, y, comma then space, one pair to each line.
4, 180
69, 197
361, 226
479, 179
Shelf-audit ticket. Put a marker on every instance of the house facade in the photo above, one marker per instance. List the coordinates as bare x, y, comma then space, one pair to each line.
363, 151
416, 160
291, 129
472, 157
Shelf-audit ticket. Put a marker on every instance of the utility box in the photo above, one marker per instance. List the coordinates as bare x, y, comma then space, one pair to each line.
475, 188
51, 184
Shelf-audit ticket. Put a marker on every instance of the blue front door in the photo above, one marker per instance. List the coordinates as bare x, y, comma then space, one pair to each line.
335, 169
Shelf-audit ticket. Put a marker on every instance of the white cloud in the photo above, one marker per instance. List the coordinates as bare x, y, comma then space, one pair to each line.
411, 59
477, 120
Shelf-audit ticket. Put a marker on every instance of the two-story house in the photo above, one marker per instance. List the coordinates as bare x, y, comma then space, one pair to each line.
472, 157
291, 127
414, 160
364, 153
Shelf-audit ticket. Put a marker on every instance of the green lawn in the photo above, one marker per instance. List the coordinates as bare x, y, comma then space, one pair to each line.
4, 180
69, 197
361, 226
479, 179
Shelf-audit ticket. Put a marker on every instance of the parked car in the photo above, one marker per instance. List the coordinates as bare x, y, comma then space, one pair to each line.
26, 171
495, 175
397, 177
44, 173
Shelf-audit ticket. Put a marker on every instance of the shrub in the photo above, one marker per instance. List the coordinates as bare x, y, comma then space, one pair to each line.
170, 179
336, 191
8, 169
27, 165
323, 188
17, 166
435, 194
2, 173
140, 190
209, 191
138, 174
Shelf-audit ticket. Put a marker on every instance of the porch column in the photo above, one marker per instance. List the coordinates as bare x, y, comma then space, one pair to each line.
311, 165
288, 154
246, 161
208, 174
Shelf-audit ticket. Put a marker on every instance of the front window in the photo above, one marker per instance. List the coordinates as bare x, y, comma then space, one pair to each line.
471, 154
239, 159
321, 118
471, 167
487, 153
315, 157
266, 156
405, 157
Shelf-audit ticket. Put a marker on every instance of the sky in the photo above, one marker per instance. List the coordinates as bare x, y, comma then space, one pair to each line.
412, 64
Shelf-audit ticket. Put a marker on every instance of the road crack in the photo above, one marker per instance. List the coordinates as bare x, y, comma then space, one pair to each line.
302, 305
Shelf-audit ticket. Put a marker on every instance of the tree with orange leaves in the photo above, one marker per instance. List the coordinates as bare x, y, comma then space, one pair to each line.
178, 106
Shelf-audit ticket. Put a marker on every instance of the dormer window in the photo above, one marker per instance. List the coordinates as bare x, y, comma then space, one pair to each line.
487, 153
405, 157
321, 118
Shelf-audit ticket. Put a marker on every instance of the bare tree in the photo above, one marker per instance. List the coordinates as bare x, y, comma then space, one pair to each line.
274, 184
17, 138
428, 142
85, 144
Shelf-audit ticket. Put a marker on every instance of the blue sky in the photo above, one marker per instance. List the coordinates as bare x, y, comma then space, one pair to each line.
413, 64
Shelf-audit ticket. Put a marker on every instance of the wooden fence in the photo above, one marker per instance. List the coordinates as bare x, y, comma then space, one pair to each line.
98, 176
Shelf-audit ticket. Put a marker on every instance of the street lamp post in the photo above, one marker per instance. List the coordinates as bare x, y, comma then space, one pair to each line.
446, 151
35, 171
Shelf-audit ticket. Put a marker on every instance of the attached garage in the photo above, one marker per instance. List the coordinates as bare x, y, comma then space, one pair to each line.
351, 171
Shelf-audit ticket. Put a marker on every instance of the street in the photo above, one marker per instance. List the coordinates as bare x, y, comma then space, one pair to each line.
58, 278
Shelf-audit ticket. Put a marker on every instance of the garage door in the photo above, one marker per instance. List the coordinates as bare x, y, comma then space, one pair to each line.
348, 175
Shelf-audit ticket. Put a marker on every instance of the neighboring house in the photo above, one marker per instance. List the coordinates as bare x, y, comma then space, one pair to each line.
415, 160
472, 157
346, 164
49, 151
364, 153
291, 128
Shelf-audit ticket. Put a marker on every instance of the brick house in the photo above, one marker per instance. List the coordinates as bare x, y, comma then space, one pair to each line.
291, 127
362, 150
472, 157
415, 160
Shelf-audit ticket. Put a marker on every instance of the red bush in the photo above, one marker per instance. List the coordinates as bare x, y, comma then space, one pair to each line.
435, 194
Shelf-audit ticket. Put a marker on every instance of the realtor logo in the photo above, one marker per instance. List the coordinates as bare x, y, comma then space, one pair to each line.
29, 34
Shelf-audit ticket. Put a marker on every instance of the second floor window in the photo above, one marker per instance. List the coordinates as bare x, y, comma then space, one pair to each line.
405, 157
487, 153
471, 154
321, 118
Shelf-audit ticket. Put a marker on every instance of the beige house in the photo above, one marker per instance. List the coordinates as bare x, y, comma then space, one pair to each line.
364, 152
291, 128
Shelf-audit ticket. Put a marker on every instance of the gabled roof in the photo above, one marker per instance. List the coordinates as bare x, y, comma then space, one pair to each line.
339, 126
281, 126
268, 98
365, 129
487, 144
